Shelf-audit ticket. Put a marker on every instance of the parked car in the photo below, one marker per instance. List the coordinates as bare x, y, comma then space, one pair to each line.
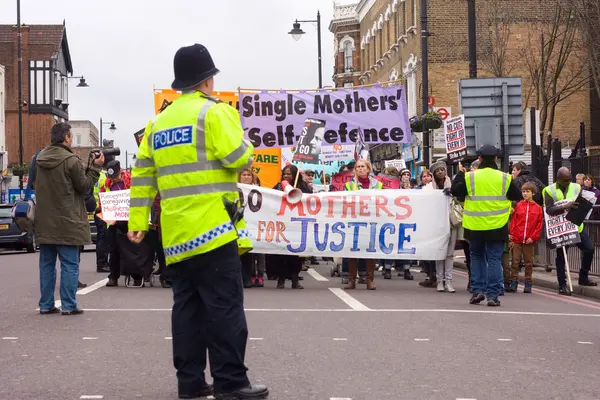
11, 237
93, 229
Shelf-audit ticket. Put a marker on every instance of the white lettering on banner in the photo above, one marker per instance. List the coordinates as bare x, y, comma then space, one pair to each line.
115, 205
394, 224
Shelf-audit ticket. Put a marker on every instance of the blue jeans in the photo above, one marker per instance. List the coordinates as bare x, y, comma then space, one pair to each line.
486, 266
69, 276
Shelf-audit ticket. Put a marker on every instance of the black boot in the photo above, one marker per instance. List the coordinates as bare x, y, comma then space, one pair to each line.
250, 392
296, 282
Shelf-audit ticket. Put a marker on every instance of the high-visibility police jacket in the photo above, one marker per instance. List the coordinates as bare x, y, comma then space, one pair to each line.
486, 205
356, 185
190, 154
98, 185
572, 193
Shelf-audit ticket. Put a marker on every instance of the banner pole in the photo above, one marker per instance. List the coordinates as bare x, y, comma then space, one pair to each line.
568, 270
324, 181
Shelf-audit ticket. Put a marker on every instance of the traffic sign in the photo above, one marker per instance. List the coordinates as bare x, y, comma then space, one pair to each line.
443, 113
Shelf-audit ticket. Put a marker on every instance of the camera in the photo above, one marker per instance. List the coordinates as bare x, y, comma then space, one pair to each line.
115, 151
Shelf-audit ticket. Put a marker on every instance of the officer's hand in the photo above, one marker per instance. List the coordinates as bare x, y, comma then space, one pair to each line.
100, 160
460, 167
136, 236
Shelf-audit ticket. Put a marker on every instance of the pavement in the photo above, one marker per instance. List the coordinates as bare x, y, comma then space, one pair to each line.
545, 279
399, 342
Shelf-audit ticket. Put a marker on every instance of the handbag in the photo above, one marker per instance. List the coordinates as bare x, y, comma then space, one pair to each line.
23, 213
456, 213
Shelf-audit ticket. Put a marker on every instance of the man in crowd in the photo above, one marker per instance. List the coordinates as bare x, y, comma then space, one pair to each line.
61, 224
488, 193
565, 189
521, 174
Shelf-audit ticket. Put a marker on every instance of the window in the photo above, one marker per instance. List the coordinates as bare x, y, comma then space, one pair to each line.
414, 20
348, 84
6, 212
40, 82
347, 55
410, 73
78, 140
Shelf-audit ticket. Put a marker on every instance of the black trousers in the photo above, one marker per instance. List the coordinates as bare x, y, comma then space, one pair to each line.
156, 245
101, 243
587, 249
208, 314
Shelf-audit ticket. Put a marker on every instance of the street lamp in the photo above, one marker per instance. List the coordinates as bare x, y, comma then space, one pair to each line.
133, 157
112, 128
297, 33
81, 83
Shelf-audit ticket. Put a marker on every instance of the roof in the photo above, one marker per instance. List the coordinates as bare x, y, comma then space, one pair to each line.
53, 36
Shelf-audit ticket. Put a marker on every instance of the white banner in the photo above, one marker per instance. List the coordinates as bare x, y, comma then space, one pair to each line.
390, 224
338, 152
115, 205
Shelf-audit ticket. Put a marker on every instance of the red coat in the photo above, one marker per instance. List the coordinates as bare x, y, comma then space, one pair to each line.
526, 222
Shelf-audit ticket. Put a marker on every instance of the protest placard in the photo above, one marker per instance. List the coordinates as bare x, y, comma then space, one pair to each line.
389, 224
337, 152
398, 164
560, 231
456, 140
115, 205
308, 147
275, 119
389, 182
338, 181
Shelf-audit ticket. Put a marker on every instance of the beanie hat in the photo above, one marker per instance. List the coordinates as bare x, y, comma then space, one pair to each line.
438, 164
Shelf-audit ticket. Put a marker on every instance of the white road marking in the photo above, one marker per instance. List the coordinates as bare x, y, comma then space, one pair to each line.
93, 396
460, 398
381, 310
10, 338
89, 338
168, 338
585, 343
340, 398
93, 287
255, 338
340, 339
318, 277
351, 301
421, 340
505, 340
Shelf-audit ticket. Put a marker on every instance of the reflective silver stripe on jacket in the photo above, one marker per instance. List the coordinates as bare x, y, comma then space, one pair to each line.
140, 202
236, 154
487, 198
486, 213
144, 163
180, 191
144, 181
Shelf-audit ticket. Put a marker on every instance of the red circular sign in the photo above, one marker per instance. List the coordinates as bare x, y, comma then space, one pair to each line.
443, 113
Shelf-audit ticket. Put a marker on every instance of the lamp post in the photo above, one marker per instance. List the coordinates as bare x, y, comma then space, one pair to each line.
425, 77
472, 21
297, 33
112, 128
20, 91
82, 82
133, 157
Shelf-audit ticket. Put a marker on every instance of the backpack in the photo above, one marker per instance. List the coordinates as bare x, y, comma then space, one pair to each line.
23, 213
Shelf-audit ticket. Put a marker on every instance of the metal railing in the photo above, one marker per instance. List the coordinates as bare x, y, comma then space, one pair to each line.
544, 255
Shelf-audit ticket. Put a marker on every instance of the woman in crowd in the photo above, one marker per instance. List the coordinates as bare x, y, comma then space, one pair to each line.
405, 183
425, 178
253, 265
588, 184
363, 180
428, 266
289, 266
444, 268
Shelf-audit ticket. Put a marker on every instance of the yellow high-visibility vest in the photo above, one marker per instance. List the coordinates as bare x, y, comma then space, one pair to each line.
190, 154
486, 205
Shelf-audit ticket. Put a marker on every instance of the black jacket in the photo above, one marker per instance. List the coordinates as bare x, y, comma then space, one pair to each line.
459, 189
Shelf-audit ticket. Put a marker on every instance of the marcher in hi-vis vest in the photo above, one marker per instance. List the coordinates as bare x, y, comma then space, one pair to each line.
563, 189
488, 194
101, 230
190, 154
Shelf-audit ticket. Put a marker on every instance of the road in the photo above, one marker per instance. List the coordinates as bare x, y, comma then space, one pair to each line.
398, 342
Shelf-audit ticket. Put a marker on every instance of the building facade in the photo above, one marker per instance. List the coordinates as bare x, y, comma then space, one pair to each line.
46, 64
390, 50
85, 134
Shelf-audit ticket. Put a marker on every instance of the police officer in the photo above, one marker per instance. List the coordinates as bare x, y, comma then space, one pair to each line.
190, 154
565, 189
488, 194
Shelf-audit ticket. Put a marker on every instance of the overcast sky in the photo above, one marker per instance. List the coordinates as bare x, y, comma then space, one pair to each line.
125, 48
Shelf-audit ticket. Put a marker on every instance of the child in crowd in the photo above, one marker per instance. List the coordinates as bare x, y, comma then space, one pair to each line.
525, 229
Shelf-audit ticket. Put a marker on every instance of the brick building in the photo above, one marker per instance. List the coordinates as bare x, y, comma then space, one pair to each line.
389, 49
46, 63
